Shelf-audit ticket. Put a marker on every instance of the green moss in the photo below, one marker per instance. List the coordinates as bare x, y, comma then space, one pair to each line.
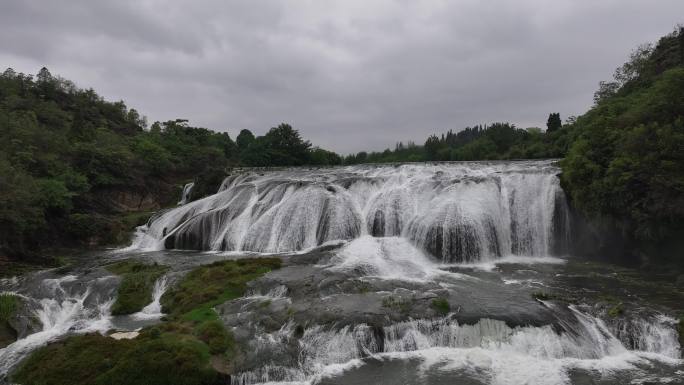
441, 305
99, 360
680, 329
207, 286
137, 284
9, 304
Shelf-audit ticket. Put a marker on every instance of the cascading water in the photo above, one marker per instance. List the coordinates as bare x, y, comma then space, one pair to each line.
153, 310
489, 350
456, 212
186, 194
62, 305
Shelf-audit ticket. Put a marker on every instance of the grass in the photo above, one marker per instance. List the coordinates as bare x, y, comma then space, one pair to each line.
180, 350
9, 304
137, 285
441, 305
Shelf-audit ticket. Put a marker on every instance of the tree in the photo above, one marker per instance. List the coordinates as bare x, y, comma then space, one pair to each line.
286, 146
44, 76
553, 123
244, 139
432, 146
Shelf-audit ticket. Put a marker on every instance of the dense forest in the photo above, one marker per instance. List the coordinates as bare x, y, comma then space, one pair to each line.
75, 168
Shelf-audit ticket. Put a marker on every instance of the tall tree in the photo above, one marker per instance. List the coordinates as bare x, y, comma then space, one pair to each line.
553, 123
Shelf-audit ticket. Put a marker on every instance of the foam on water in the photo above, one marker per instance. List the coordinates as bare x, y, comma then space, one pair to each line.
489, 350
391, 258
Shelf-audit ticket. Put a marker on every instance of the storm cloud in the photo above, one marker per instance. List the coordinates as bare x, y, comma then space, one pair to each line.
350, 75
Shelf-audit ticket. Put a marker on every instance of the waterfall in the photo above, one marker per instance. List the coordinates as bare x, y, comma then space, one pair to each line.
456, 212
63, 306
153, 310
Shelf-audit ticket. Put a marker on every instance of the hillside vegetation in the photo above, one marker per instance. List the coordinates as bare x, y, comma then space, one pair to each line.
76, 169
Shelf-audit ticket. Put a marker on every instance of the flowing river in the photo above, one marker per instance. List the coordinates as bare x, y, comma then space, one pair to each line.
450, 273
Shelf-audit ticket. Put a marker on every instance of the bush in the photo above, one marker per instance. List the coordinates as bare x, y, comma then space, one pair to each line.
215, 335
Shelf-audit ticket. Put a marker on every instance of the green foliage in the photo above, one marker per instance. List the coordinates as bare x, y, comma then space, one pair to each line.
554, 122
215, 335
624, 170
441, 305
493, 142
137, 285
61, 147
99, 360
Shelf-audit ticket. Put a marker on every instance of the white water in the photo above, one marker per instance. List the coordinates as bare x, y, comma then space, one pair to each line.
185, 195
153, 310
489, 349
456, 212
62, 310
390, 258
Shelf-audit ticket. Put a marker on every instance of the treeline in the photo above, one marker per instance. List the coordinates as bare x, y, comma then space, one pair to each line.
72, 165
480, 142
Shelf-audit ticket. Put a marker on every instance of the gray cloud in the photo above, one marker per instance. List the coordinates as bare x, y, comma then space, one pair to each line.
350, 75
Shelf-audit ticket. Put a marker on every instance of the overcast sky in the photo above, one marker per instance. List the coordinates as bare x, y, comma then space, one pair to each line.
350, 75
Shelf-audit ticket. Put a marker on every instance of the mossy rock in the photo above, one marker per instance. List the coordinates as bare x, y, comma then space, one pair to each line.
95, 359
137, 285
207, 286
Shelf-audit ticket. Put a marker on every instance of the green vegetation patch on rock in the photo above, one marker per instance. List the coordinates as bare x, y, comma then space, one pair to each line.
207, 286
137, 284
9, 304
441, 305
95, 359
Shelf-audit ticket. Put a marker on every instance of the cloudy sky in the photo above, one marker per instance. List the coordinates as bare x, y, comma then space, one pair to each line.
350, 75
